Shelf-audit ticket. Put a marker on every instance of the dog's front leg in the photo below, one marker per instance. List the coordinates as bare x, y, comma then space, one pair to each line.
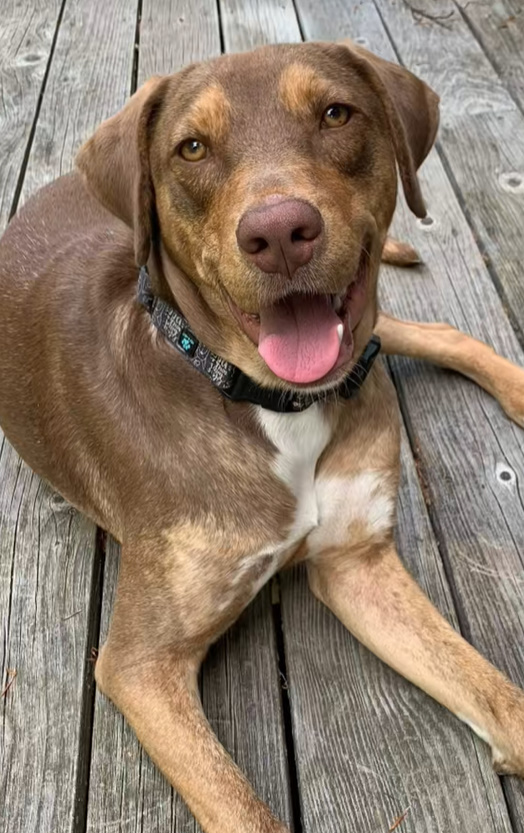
380, 603
165, 617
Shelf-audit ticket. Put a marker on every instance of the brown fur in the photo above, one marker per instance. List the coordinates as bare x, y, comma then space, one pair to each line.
210, 114
300, 89
97, 402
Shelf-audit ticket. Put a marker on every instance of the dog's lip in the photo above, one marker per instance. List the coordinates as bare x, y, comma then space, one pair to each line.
349, 306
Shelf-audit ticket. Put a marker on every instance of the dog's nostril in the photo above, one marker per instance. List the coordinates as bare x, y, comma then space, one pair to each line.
254, 245
297, 235
304, 233
259, 245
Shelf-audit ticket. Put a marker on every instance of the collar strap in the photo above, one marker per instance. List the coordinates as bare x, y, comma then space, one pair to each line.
229, 379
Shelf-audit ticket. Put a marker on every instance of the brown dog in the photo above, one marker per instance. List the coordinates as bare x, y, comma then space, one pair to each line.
258, 188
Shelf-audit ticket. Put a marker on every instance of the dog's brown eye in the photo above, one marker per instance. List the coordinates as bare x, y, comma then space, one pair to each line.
192, 150
336, 115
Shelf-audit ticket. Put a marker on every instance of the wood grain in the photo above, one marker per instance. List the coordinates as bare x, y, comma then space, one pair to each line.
175, 34
366, 784
241, 697
499, 28
369, 744
478, 136
89, 80
46, 573
240, 679
26, 35
463, 440
248, 25
47, 551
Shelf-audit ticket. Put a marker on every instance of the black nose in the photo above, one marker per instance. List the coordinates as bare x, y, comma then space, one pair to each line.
280, 237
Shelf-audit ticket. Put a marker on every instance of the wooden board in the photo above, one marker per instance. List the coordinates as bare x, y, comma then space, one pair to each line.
333, 790
47, 571
49, 591
241, 691
369, 744
26, 39
248, 25
175, 34
499, 28
478, 136
241, 697
91, 72
463, 441
401, 748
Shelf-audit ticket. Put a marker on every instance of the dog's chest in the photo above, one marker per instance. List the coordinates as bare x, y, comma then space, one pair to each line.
299, 440
330, 510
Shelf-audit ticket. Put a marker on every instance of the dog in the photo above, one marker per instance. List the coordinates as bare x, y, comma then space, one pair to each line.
188, 328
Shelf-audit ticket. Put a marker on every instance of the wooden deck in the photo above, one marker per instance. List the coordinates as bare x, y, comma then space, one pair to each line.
331, 738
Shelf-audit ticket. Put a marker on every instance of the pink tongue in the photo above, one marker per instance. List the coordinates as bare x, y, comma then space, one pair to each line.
298, 337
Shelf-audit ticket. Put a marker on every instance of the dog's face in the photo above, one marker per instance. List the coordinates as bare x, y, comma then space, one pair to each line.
269, 181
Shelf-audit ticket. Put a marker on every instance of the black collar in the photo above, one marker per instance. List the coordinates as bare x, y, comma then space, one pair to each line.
230, 380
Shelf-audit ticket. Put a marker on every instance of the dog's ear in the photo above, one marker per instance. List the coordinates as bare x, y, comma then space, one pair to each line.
412, 109
115, 163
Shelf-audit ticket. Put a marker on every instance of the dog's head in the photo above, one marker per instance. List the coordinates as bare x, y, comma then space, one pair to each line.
262, 186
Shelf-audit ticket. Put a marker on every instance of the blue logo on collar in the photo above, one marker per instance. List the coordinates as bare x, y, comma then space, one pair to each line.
187, 342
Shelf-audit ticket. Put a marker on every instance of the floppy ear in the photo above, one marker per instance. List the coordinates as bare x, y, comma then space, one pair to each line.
114, 163
413, 114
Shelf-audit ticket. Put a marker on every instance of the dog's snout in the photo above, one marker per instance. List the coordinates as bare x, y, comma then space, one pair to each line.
280, 236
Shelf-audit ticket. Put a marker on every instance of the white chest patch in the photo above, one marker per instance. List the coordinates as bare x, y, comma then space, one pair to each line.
300, 440
330, 511
366, 499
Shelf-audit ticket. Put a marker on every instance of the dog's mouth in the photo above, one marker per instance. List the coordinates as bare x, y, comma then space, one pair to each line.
305, 337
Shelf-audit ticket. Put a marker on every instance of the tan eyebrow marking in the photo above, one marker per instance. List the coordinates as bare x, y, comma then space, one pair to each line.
210, 113
300, 88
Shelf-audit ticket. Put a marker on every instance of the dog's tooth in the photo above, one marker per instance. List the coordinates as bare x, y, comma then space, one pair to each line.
337, 302
340, 332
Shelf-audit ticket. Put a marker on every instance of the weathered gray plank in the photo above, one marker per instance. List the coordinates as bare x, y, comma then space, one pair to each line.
463, 439
48, 554
89, 80
46, 572
248, 25
175, 34
126, 791
370, 745
240, 680
499, 27
479, 131
362, 785
26, 36
241, 697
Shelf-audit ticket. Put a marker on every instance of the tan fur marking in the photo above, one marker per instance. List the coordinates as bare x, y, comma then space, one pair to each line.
300, 88
448, 347
210, 113
399, 253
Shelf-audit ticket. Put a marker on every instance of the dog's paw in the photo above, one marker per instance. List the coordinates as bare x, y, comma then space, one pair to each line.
516, 415
510, 393
399, 254
507, 763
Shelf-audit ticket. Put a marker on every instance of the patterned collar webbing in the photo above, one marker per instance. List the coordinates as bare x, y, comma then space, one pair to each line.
229, 379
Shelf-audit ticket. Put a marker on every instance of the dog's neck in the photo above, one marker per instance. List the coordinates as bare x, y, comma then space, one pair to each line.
232, 383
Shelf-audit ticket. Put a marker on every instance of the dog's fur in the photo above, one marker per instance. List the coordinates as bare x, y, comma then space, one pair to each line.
209, 498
